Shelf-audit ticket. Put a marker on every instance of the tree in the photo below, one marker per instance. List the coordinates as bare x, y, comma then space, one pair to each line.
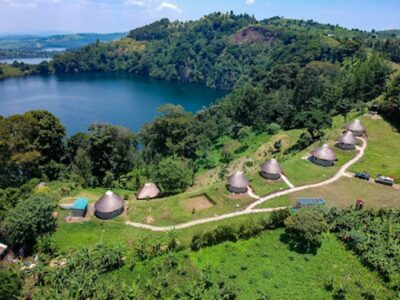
173, 175
82, 166
305, 228
30, 219
48, 139
112, 149
315, 122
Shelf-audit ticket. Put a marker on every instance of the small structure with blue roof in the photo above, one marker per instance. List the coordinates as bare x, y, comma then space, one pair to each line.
307, 202
79, 207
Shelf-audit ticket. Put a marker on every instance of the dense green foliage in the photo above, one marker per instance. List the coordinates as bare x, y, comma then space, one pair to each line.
30, 219
10, 286
32, 145
173, 175
241, 232
306, 228
374, 236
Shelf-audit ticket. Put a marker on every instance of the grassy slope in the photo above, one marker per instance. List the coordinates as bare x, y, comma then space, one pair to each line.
344, 193
265, 266
383, 153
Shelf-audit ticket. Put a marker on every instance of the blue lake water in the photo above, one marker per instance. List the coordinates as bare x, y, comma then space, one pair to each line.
79, 100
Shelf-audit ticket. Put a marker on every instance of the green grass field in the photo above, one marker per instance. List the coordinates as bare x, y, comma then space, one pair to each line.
383, 152
344, 193
264, 268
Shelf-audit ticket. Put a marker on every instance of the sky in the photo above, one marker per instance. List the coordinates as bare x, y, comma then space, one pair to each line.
69, 16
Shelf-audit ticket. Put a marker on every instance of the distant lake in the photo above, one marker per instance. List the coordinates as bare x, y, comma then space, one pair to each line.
30, 61
79, 100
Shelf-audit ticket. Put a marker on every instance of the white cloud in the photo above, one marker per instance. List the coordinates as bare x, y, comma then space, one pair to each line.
169, 6
249, 2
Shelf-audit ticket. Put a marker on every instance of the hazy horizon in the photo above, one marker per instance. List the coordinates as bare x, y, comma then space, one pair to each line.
47, 17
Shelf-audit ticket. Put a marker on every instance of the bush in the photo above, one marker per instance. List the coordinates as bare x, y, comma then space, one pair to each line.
273, 128
30, 219
10, 286
305, 228
173, 175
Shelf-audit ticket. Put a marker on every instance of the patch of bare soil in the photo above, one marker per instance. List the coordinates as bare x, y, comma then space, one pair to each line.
254, 34
198, 203
150, 220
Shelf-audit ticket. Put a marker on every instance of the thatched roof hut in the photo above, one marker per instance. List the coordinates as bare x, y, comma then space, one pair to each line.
148, 191
271, 169
347, 140
323, 156
109, 206
356, 127
238, 183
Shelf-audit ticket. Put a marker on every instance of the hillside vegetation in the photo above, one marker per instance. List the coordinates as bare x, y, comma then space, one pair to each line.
292, 86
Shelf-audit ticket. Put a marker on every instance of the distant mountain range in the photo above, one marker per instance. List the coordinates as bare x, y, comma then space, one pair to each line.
54, 42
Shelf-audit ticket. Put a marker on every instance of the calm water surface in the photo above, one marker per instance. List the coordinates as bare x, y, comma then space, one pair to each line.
79, 100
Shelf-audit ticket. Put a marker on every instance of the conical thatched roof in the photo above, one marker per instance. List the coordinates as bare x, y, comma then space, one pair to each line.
148, 191
271, 167
355, 126
324, 153
109, 203
238, 180
347, 138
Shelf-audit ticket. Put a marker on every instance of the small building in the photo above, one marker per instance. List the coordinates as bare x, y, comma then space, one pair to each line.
356, 127
109, 206
3, 250
271, 169
347, 141
238, 183
148, 191
323, 156
309, 202
79, 207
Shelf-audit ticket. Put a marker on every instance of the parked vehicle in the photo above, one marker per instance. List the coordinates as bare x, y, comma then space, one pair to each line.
385, 180
363, 176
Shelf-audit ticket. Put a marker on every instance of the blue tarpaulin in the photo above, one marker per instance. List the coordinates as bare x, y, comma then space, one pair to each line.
80, 203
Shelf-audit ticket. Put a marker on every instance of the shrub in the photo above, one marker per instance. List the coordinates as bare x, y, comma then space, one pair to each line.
305, 228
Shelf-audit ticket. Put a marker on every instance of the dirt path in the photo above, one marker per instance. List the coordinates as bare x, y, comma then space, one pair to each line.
251, 208
287, 181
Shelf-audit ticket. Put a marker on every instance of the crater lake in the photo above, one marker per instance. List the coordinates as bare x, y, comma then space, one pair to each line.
79, 100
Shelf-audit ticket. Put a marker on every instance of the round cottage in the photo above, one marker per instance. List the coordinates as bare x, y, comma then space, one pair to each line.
347, 141
323, 156
109, 206
356, 127
271, 169
148, 191
238, 183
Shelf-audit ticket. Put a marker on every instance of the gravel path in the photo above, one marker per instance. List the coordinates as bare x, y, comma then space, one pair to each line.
251, 208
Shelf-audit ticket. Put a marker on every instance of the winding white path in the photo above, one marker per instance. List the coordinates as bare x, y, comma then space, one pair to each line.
251, 208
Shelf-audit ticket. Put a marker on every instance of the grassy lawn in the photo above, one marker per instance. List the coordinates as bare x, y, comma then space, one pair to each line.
383, 152
187, 206
344, 193
75, 235
264, 268
300, 171
264, 187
